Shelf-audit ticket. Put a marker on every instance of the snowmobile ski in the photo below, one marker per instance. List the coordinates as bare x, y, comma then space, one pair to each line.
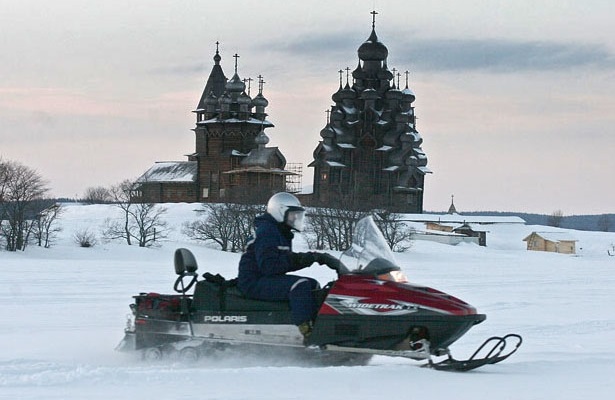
494, 355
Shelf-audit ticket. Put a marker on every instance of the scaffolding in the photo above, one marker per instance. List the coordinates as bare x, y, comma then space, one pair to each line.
293, 180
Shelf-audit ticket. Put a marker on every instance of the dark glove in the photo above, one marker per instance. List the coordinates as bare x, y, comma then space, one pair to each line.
302, 260
326, 258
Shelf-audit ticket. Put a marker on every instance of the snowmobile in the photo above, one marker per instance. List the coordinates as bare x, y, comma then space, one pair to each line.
368, 310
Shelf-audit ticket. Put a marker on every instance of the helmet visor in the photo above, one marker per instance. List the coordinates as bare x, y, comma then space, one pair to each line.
294, 218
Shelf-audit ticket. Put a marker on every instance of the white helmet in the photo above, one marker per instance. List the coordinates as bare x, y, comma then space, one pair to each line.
286, 208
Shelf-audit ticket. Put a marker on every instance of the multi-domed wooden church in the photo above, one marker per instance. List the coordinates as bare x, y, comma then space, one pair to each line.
370, 154
231, 161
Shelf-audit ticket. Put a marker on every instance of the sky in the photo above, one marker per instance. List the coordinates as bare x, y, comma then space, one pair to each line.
514, 100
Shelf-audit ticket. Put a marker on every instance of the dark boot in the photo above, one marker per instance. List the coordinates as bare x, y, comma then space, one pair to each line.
306, 330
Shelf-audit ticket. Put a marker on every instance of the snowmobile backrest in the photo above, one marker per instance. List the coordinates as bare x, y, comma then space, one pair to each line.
185, 262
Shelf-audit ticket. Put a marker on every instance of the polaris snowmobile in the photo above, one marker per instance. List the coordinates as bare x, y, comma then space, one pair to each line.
369, 310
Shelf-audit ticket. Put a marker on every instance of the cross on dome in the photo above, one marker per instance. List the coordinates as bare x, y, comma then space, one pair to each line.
249, 80
236, 56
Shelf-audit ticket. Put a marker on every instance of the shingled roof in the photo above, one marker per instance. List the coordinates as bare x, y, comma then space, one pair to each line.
170, 171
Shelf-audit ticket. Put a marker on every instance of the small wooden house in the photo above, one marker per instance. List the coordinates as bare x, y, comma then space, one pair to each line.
458, 230
556, 242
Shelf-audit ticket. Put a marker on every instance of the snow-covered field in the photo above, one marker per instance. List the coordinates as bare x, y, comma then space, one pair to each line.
63, 310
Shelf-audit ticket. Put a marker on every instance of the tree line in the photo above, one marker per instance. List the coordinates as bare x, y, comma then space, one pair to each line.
27, 216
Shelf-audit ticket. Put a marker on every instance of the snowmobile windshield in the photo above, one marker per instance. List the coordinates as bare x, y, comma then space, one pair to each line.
371, 254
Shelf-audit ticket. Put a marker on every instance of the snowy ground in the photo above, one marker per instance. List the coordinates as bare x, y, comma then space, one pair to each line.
62, 312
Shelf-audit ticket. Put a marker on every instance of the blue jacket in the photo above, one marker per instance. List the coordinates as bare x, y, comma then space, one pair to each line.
268, 253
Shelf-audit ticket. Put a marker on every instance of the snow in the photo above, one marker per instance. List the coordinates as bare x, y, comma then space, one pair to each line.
171, 171
335, 164
384, 148
63, 311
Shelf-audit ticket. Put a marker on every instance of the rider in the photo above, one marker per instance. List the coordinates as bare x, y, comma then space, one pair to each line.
269, 256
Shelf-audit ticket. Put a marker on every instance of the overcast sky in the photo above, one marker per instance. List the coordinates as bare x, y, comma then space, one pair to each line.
515, 99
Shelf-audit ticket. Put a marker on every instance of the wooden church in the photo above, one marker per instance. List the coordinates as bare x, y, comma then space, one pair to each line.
370, 155
231, 161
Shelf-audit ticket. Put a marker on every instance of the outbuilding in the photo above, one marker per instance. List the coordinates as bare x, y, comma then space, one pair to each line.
556, 242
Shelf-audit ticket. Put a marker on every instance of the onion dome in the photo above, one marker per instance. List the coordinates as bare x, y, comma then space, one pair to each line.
327, 132
348, 93
404, 118
372, 49
337, 115
244, 99
370, 94
261, 139
211, 99
394, 94
406, 138
337, 96
358, 72
408, 95
412, 161
260, 101
225, 99
235, 84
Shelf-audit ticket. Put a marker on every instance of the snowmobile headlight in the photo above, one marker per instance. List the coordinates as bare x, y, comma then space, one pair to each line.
394, 276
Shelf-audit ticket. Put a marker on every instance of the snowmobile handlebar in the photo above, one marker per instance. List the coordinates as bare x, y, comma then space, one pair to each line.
339, 267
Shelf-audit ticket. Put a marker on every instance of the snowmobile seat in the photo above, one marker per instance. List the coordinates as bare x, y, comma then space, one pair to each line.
236, 301
220, 296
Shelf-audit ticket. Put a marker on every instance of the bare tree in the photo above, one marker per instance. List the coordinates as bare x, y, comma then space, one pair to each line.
397, 234
555, 219
141, 221
331, 228
20, 188
45, 227
97, 195
148, 225
120, 195
227, 225
4, 178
